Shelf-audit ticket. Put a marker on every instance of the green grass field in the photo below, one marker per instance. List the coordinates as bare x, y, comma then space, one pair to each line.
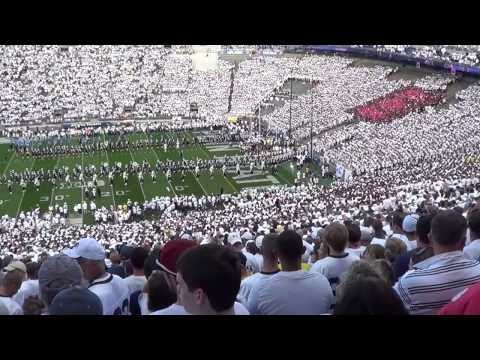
118, 193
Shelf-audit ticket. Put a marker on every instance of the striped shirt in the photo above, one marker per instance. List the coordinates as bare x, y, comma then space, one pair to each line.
435, 281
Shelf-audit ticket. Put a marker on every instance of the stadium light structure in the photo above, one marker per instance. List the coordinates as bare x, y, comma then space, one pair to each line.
260, 119
290, 121
311, 126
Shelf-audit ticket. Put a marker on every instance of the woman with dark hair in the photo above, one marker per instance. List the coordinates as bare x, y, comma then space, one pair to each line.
379, 234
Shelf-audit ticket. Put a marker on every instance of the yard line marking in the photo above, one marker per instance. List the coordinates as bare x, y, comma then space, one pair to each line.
53, 188
199, 183
20, 202
168, 181
206, 154
81, 189
108, 161
139, 183
113, 198
23, 193
280, 176
8, 164
235, 189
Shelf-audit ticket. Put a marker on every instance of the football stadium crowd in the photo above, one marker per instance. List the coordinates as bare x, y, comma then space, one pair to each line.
52, 84
455, 54
401, 236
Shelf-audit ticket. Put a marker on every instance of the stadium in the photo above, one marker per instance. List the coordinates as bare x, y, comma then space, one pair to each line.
177, 180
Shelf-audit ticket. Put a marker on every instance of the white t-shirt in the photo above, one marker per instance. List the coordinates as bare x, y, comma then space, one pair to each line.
252, 263
28, 288
409, 244
472, 250
11, 305
143, 303
239, 309
176, 309
259, 258
357, 251
173, 309
135, 283
248, 283
291, 293
333, 267
378, 241
113, 292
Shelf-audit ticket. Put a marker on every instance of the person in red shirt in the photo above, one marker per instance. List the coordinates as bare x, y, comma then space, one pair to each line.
465, 303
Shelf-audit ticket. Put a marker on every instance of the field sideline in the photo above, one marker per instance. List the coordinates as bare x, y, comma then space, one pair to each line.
118, 194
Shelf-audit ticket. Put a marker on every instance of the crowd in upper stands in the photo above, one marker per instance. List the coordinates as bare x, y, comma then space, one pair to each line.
54, 83
461, 54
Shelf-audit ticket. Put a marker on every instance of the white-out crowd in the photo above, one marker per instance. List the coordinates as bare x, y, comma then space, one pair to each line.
461, 54
48, 84
425, 160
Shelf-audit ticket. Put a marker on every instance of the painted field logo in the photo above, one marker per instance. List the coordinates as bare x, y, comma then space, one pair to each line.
222, 148
257, 177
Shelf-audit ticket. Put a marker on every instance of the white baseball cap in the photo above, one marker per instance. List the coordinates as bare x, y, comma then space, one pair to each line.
259, 241
87, 248
234, 238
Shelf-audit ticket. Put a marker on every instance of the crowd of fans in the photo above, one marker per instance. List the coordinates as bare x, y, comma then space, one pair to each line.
55, 83
461, 54
338, 88
399, 237
397, 104
438, 139
425, 262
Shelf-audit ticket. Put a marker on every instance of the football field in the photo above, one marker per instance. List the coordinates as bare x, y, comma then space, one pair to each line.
118, 193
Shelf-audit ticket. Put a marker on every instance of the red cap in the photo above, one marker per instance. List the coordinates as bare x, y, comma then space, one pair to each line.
172, 251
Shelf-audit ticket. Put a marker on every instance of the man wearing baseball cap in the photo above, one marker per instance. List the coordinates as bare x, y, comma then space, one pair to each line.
57, 273
167, 263
76, 301
111, 289
409, 227
11, 280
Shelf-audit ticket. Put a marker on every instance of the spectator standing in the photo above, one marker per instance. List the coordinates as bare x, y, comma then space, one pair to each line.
270, 267
374, 252
76, 301
368, 296
397, 228
30, 287
167, 264
355, 246
116, 267
435, 281
208, 280
11, 280
338, 260
472, 250
409, 227
423, 251
137, 280
379, 234
467, 302
292, 291
57, 273
111, 289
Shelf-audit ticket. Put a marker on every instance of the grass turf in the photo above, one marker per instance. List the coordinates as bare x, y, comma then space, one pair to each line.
118, 193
